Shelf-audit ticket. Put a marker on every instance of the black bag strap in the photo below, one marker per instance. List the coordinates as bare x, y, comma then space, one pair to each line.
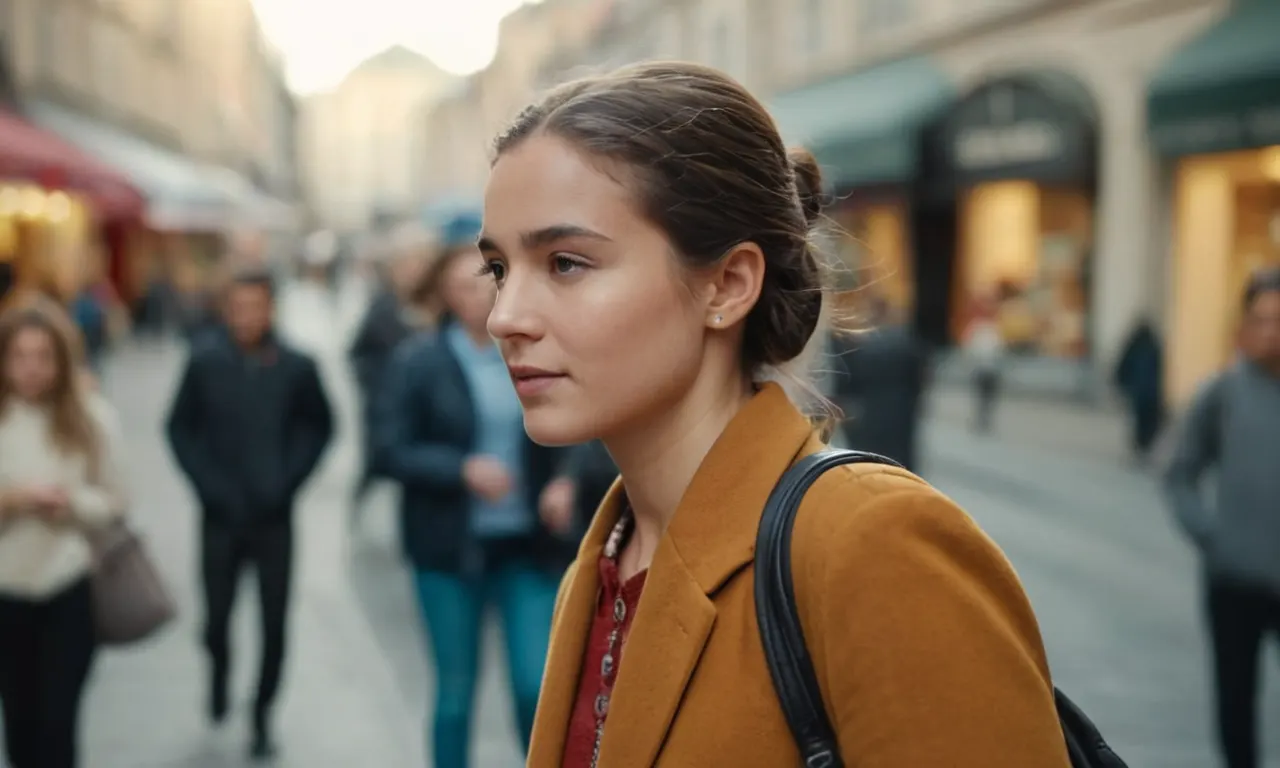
790, 667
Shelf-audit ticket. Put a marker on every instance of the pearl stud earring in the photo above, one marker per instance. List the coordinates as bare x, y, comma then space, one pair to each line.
719, 319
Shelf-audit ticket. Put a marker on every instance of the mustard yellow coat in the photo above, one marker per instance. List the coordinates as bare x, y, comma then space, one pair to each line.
925, 646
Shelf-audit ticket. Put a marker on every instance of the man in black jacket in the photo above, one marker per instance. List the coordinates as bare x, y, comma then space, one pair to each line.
248, 426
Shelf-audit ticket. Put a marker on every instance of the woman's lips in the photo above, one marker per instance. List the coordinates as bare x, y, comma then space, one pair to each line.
530, 381
532, 386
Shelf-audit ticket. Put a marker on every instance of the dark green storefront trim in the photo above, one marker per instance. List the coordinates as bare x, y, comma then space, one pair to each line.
1221, 91
864, 127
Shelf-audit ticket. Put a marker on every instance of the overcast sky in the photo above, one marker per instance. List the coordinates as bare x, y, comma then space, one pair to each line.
323, 39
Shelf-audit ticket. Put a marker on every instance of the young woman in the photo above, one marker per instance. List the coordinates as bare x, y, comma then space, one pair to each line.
59, 478
649, 236
483, 522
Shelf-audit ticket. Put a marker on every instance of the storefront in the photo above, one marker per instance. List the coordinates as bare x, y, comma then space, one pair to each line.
869, 158
1214, 116
52, 199
1014, 162
47, 238
184, 199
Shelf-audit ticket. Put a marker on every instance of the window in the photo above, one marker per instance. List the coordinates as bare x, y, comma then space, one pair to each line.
886, 15
720, 48
810, 38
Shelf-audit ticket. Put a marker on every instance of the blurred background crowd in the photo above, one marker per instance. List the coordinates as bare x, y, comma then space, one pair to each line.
1048, 210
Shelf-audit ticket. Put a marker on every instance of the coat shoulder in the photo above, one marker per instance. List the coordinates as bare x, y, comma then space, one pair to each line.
903, 598
859, 507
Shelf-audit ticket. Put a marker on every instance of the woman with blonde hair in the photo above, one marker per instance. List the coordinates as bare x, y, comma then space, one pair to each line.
60, 478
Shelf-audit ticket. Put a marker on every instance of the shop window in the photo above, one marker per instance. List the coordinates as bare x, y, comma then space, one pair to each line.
43, 234
874, 258
1026, 248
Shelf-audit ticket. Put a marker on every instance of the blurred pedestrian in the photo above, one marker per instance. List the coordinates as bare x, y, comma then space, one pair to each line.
587, 474
248, 425
1139, 376
985, 346
398, 310
879, 385
1232, 430
60, 478
651, 240
477, 524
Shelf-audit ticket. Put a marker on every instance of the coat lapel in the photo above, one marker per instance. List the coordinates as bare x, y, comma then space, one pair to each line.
672, 624
711, 537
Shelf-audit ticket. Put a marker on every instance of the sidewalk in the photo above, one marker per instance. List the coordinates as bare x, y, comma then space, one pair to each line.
1099, 432
145, 709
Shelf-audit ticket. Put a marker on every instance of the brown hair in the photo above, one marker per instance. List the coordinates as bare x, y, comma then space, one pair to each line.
428, 292
1264, 280
709, 168
74, 429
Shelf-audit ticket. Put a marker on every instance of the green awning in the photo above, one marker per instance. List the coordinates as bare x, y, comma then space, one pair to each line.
863, 127
1221, 91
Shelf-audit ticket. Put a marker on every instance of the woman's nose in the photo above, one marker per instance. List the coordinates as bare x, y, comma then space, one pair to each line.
514, 310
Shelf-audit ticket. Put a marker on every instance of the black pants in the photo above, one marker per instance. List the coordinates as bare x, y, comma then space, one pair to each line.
226, 551
986, 387
1239, 618
370, 471
46, 651
1147, 418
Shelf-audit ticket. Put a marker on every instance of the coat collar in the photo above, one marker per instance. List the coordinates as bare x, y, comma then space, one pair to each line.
711, 537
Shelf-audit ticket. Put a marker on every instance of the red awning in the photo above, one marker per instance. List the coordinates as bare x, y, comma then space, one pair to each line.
28, 152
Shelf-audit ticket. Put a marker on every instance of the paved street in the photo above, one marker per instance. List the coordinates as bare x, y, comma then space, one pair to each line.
1114, 587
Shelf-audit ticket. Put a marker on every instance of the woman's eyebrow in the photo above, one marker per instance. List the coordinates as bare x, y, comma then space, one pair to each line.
539, 238
556, 232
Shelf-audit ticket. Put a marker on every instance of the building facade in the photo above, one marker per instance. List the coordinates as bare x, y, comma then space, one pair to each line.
362, 142
1019, 152
460, 123
176, 96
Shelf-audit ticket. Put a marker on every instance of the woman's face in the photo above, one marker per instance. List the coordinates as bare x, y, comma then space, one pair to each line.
31, 364
466, 292
590, 297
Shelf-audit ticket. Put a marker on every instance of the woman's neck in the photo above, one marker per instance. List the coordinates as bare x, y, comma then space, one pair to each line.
659, 459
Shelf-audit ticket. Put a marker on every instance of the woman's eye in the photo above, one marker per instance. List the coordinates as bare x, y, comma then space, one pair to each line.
495, 268
565, 264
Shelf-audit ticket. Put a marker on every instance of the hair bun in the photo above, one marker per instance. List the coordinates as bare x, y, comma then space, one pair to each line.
808, 176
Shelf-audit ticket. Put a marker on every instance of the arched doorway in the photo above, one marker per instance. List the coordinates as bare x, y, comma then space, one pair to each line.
1005, 211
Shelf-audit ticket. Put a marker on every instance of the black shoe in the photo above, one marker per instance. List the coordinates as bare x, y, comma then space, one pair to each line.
218, 704
262, 748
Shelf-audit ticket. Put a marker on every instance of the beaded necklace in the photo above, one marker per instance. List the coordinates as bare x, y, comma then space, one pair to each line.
612, 550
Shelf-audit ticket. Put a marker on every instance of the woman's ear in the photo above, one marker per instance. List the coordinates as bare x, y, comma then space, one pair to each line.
734, 285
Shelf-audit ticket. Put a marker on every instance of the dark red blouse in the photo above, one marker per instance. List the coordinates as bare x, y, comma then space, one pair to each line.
615, 610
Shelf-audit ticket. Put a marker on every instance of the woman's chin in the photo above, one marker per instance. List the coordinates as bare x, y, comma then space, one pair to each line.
556, 427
